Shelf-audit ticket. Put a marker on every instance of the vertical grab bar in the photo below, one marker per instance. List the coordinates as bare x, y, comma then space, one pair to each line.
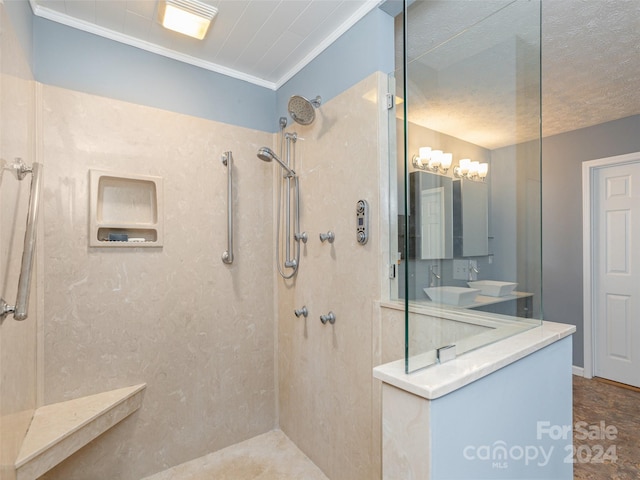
227, 160
24, 282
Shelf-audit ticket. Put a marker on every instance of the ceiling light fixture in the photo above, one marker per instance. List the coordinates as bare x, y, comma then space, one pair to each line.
189, 17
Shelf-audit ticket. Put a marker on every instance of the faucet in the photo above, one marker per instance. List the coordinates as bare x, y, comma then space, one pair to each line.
473, 269
433, 275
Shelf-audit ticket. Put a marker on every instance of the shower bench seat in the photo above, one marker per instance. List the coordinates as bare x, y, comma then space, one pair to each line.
60, 429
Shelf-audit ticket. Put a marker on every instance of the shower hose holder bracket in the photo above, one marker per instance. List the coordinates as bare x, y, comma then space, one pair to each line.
6, 309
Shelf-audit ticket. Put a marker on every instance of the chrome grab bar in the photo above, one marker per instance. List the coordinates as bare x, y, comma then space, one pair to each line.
227, 160
19, 311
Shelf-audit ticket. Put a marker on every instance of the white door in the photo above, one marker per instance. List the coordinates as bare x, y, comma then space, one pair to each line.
616, 270
432, 224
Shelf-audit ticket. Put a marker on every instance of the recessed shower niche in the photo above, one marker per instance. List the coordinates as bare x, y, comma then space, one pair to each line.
126, 210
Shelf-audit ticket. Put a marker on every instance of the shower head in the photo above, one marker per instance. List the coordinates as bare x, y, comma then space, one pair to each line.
302, 110
267, 155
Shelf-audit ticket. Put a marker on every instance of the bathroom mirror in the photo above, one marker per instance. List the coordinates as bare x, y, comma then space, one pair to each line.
430, 216
470, 219
448, 218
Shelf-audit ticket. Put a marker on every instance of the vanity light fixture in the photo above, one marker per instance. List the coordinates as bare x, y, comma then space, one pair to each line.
471, 170
432, 160
189, 17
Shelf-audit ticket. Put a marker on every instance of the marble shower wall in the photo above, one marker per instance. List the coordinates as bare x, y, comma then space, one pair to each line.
328, 400
200, 333
17, 339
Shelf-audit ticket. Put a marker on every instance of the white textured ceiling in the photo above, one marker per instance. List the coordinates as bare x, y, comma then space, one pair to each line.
590, 54
591, 62
482, 85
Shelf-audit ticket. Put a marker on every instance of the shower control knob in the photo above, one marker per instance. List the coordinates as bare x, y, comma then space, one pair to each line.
362, 237
329, 236
329, 317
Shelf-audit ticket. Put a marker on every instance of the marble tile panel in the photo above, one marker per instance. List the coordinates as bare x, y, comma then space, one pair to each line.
13, 428
198, 332
406, 435
326, 393
17, 339
392, 326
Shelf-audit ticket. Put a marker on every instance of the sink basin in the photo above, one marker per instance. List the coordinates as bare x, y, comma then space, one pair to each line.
493, 288
459, 296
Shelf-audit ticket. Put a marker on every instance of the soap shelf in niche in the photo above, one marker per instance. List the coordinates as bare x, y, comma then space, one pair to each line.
126, 210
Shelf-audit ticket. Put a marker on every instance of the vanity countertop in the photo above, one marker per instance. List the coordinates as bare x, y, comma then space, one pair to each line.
438, 380
482, 300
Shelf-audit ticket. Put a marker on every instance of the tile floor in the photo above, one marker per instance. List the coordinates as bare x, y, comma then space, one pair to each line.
271, 456
602, 458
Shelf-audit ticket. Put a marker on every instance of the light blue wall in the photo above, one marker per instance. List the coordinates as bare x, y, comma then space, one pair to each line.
364, 49
22, 21
562, 157
76, 60
73, 59
504, 211
480, 418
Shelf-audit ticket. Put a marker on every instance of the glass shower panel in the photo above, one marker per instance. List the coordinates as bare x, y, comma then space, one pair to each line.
468, 205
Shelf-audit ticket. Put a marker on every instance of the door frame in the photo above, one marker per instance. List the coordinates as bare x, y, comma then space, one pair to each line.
588, 171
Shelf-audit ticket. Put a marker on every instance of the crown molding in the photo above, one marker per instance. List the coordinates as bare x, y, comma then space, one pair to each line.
88, 27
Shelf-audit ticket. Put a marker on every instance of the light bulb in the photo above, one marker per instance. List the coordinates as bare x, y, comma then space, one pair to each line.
424, 152
445, 160
464, 165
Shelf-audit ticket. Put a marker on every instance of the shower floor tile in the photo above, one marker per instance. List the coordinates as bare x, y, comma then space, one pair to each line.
271, 456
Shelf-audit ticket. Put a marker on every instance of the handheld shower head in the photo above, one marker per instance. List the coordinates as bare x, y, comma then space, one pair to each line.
266, 154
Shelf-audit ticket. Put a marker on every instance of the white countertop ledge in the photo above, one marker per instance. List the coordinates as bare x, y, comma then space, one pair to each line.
439, 380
